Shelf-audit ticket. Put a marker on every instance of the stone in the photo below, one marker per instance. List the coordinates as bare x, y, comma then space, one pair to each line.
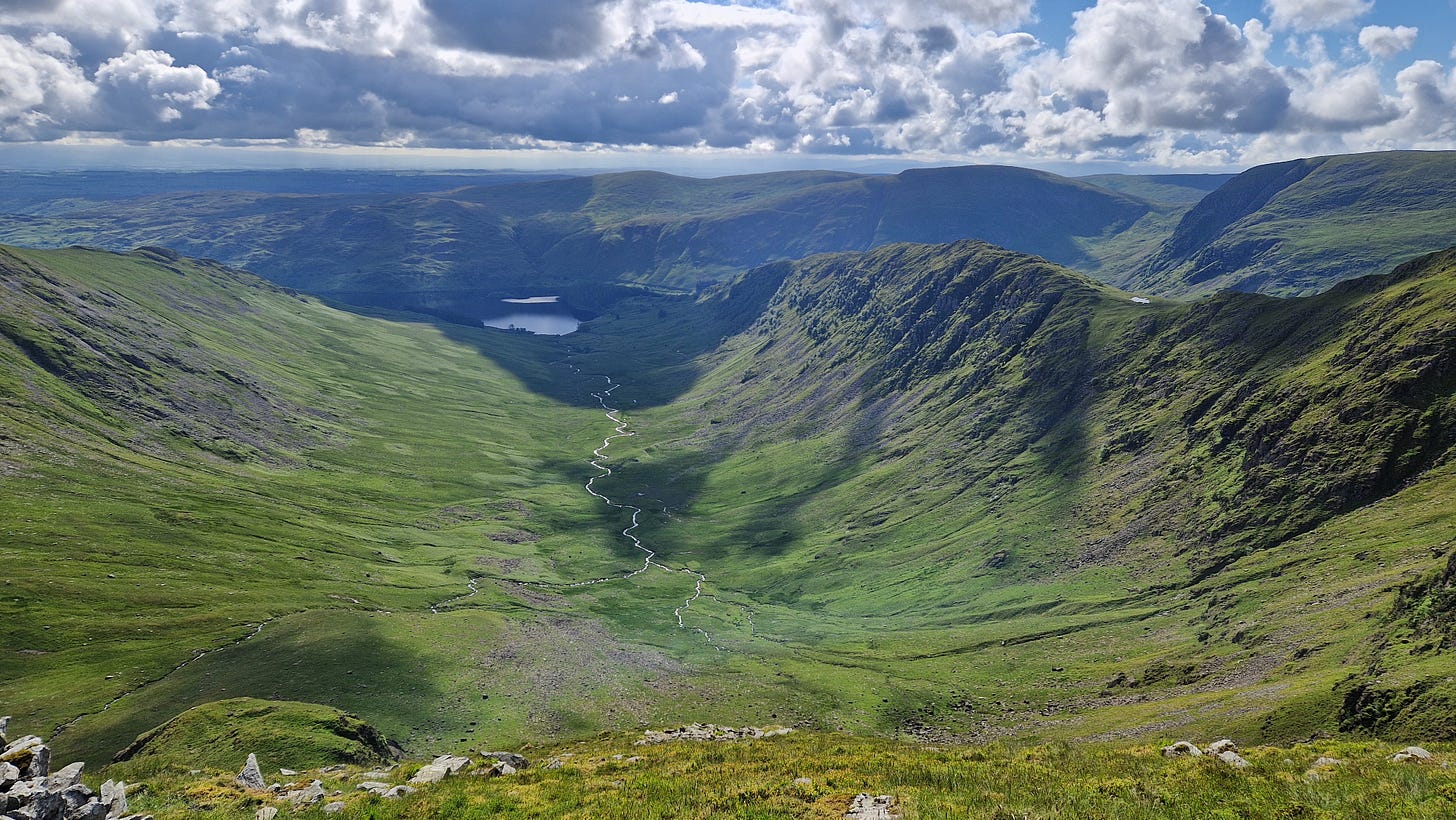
251, 776
374, 786
1232, 758
8, 776
873, 807
40, 762
308, 795
708, 731
1182, 748
439, 769
334, 807
113, 796
1224, 745
87, 811
399, 791
1326, 763
75, 796
803, 781
374, 775
69, 776
4, 726
266, 813
287, 772
507, 757
42, 805
1411, 754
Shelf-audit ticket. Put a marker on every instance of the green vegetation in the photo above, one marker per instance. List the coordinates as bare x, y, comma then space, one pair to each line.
1298, 227
611, 778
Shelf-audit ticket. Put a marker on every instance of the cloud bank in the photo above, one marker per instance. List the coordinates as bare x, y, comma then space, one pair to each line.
1165, 82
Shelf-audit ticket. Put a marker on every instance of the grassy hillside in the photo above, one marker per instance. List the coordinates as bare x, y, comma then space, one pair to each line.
940, 492
1298, 227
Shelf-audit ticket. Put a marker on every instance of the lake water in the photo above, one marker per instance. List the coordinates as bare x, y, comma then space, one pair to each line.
544, 315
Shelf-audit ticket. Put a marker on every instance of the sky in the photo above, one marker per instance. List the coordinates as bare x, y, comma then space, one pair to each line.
720, 86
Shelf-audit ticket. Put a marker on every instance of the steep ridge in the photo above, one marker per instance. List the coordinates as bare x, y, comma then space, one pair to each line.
1299, 227
1008, 452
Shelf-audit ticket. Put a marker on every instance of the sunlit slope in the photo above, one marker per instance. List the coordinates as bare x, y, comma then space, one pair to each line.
196, 461
1299, 227
1007, 494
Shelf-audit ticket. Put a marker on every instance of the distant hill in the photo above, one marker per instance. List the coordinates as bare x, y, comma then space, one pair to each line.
1298, 227
1165, 189
573, 235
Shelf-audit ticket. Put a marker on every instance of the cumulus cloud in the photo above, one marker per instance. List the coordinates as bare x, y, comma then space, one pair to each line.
1164, 80
148, 79
1387, 41
1314, 15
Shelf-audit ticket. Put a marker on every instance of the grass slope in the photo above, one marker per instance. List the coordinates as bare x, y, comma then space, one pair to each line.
1299, 227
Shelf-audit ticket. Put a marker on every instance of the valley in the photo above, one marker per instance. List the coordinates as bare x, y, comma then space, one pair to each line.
873, 455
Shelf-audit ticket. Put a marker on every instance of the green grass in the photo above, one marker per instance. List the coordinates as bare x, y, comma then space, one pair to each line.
611, 778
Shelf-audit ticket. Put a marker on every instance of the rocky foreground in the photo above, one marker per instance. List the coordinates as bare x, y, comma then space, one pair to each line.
29, 790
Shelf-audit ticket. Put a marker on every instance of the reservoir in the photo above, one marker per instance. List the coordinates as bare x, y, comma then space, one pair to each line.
545, 315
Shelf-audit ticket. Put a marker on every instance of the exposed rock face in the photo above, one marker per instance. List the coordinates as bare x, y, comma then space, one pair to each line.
306, 796
29, 791
707, 731
1220, 746
1411, 754
251, 776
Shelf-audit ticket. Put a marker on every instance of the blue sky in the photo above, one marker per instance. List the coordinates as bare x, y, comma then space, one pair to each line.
722, 86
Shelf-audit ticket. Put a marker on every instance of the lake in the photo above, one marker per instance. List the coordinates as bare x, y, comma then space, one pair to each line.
544, 315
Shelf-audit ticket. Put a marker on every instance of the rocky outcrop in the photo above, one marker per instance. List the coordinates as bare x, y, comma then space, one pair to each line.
873, 807
29, 791
439, 769
708, 731
1411, 754
251, 777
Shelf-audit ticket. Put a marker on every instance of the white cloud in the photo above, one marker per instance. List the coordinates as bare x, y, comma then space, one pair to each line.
1386, 41
667, 99
41, 87
1315, 15
148, 77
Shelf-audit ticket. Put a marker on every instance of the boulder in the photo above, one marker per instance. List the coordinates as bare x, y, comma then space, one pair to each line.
308, 795
9, 775
4, 726
399, 791
113, 796
1411, 754
69, 776
334, 807
287, 772
266, 813
374, 787
1232, 758
251, 776
439, 769
507, 757
1224, 745
1182, 749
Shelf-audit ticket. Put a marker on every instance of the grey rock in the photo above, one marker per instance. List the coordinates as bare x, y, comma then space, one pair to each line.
8, 776
1224, 745
1233, 759
87, 811
42, 805
251, 776
708, 731
266, 813
113, 796
334, 807
507, 757
308, 795
4, 726
75, 796
1181, 749
40, 762
374, 787
399, 791
439, 769
69, 776
803, 781
873, 807
374, 775
287, 772
1411, 754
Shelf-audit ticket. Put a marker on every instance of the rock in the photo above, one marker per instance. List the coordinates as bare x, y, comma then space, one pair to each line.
507, 757
1224, 745
1232, 758
69, 776
28, 754
439, 769
1411, 754
374, 775
251, 776
803, 781
334, 807
4, 726
266, 813
1322, 767
306, 796
873, 807
374, 786
708, 731
399, 791
555, 763
87, 811
113, 796
1182, 748
500, 769
287, 772
8, 776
